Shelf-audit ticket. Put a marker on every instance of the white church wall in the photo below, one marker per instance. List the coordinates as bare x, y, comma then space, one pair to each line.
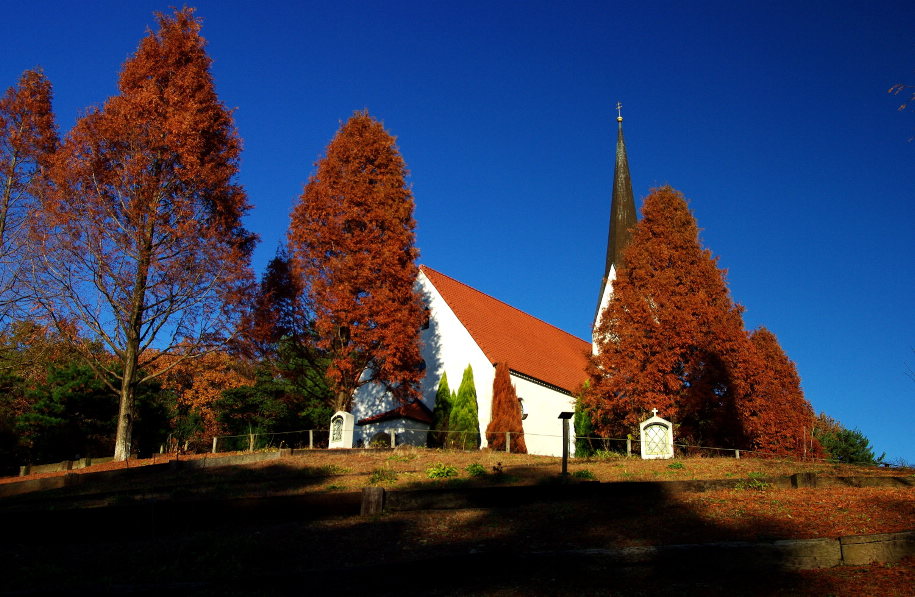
604, 303
446, 347
542, 427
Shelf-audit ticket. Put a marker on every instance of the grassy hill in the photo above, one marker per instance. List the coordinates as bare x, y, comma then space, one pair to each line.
283, 524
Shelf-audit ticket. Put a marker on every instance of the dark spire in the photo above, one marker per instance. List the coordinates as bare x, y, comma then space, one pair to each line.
622, 211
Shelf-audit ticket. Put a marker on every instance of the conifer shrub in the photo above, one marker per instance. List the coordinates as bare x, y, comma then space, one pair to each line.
584, 432
464, 419
441, 413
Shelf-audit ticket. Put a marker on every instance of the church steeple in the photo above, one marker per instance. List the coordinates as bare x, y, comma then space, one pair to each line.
622, 218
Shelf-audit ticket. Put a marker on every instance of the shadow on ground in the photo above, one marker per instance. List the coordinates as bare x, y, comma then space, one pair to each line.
205, 543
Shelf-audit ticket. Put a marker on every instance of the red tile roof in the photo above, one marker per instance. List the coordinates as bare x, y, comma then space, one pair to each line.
530, 346
416, 411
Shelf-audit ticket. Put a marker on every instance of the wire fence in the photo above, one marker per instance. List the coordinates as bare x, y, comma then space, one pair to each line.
579, 446
252, 442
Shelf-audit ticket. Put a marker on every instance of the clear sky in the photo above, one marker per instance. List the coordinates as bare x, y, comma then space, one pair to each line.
773, 118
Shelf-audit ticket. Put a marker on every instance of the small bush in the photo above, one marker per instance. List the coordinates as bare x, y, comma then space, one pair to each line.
441, 471
382, 475
380, 440
333, 469
675, 465
753, 483
584, 474
476, 469
402, 457
609, 455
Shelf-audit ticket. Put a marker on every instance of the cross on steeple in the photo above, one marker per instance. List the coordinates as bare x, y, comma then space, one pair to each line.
619, 112
655, 411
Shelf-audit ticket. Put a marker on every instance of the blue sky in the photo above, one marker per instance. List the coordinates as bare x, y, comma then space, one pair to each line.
773, 118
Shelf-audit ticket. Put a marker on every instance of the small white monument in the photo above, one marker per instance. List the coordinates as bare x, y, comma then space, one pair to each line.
657, 437
341, 430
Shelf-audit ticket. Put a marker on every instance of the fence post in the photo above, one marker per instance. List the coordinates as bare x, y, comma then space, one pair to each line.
393, 436
737, 454
250, 442
311, 439
508, 442
628, 446
214, 443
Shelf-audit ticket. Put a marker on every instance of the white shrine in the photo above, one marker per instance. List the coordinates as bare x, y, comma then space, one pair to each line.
657, 436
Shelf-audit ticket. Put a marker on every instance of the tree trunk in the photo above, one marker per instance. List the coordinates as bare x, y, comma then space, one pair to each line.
341, 401
125, 413
126, 410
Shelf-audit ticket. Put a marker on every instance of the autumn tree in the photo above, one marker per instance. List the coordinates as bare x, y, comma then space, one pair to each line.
28, 139
464, 418
776, 416
506, 414
352, 242
141, 238
198, 385
671, 338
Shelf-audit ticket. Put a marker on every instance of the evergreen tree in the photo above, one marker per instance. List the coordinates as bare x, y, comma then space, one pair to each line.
844, 445
352, 242
671, 338
464, 420
441, 414
74, 413
584, 431
506, 413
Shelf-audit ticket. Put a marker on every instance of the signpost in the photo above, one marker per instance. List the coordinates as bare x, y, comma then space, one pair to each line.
564, 417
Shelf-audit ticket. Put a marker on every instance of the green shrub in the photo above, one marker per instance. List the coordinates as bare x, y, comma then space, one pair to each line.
441, 471
476, 469
464, 419
584, 474
675, 465
608, 455
753, 483
382, 475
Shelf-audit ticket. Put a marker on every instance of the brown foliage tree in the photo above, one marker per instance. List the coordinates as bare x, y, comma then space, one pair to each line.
199, 382
141, 239
277, 312
776, 416
352, 243
671, 338
506, 413
28, 139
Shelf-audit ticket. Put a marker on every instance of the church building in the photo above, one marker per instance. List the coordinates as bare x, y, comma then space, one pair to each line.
468, 327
